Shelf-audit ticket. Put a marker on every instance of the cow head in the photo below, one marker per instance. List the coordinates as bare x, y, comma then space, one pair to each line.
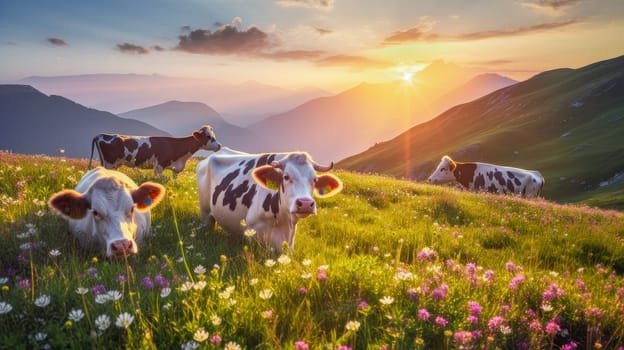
111, 207
296, 179
207, 138
444, 171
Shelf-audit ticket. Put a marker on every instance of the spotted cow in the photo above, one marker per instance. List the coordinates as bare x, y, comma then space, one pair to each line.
488, 177
159, 152
267, 193
107, 211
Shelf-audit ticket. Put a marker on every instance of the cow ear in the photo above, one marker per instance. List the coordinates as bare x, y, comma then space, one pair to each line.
327, 185
70, 204
268, 177
148, 195
452, 165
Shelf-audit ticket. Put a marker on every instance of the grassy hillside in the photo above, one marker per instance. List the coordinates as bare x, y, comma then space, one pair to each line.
566, 123
386, 264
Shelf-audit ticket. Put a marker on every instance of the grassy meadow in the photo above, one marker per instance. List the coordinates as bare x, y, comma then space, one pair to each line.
386, 264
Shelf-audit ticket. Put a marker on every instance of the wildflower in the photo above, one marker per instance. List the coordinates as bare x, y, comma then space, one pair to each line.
535, 326
362, 305
265, 294
200, 285
69, 324
147, 283
114, 295
423, 314
102, 322
54, 253
200, 270
472, 319
413, 294
552, 327
92, 272
5, 308
495, 322
343, 347
441, 321
215, 340
165, 292
232, 346
547, 307
186, 286
488, 276
269, 263
190, 345
510, 266
42, 301
475, 308
98, 289
40, 336
322, 275
124, 320
303, 291
426, 254
250, 232
267, 314
301, 345
162, 281
4, 280
200, 335
516, 282
23, 284
284, 259
439, 293
121, 279
573, 346
352, 326
386, 300
306, 262
463, 338
215, 320
102, 298
403, 275
306, 276
76, 315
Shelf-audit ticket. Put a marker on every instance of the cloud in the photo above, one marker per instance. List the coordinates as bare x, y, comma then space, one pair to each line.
293, 55
57, 42
494, 62
157, 48
356, 63
416, 34
315, 4
132, 49
551, 6
323, 31
226, 40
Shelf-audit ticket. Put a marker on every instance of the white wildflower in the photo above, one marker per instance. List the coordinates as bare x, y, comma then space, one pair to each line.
5, 308
165, 292
102, 298
250, 232
200, 335
114, 295
283, 259
3, 280
387, 300
82, 290
232, 346
186, 286
190, 345
200, 270
40, 336
306, 262
269, 263
76, 315
253, 281
103, 322
43, 300
352, 326
200, 285
124, 320
266, 294
215, 320
54, 253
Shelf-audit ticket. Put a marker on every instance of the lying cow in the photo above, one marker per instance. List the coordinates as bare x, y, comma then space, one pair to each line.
488, 177
160, 152
270, 192
108, 211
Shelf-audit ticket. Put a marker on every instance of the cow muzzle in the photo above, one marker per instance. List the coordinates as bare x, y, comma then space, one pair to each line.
304, 207
122, 247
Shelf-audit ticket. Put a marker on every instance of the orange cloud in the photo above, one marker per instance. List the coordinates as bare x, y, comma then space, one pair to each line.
354, 62
226, 40
417, 34
317, 4
132, 49
293, 55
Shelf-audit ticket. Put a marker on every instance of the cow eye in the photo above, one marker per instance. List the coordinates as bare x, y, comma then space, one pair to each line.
97, 215
286, 178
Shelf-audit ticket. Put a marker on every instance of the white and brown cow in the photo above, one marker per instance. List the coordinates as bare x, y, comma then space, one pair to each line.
159, 152
488, 177
107, 211
268, 193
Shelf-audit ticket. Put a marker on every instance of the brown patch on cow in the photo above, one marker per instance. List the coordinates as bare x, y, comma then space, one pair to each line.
144, 153
107, 137
111, 151
517, 182
262, 160
492, 188
249, 196
271, 158
272, 202
479, 182
510, 186
510, 174
129, 158
464, 173
232, 194
500, 178
130, 144
241, 163
227, 180
490, 175
248, 166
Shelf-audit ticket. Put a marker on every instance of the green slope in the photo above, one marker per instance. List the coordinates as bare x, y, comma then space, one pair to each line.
566, 123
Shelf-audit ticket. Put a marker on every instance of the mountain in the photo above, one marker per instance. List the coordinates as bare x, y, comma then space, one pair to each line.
242, 103
182, 118
334, 127
35, 123
566, 123
476, 87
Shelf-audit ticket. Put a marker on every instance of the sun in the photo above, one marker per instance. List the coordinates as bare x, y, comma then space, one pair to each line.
407, 77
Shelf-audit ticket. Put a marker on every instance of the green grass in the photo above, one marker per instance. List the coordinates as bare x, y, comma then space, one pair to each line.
384, 253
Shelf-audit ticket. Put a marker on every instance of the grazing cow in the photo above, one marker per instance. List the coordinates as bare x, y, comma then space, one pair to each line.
488, 177
268, 193
160, 152
108, 211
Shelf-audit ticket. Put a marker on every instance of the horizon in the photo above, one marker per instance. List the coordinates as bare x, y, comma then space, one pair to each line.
294, 44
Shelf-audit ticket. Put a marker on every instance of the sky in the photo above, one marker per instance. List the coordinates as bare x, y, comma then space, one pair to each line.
329, 44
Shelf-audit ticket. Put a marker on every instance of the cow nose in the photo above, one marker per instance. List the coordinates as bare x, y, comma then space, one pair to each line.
121, 247
305, 204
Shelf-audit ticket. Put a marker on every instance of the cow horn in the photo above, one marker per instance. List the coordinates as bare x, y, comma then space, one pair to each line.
277, 165
322, 168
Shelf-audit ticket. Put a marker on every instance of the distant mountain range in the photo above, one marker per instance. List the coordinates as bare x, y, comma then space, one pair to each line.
566, 123
35, 123
242, 104
182, 118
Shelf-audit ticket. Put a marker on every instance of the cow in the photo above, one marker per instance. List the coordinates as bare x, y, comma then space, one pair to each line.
488, 177
159, 152
107, 211
267, 193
